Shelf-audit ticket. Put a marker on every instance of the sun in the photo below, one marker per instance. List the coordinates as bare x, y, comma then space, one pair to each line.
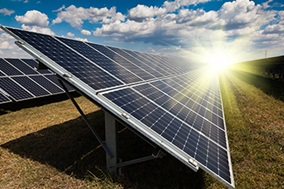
218, 61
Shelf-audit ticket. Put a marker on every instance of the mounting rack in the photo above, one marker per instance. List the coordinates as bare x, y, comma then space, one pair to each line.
110, 143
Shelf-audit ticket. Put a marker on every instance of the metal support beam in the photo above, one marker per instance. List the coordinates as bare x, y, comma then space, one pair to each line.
110, 145
105, 147
110, 133
156, 154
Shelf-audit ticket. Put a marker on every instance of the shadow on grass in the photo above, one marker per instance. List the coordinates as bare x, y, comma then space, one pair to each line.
71, 148
269, 86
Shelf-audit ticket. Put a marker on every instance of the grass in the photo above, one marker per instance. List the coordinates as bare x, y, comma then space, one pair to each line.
49, 146
255, 123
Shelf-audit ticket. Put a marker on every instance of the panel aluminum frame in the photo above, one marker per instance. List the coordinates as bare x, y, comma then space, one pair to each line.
4, 97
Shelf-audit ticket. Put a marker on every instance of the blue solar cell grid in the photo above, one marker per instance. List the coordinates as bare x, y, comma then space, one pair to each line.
99, 59
141, 73
31, 86
46, 84
8, 69
15, 90
34, 64
22, 66
160, 107
23, 82
127, 55
70, 60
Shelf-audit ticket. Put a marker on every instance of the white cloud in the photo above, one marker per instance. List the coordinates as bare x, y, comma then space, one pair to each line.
236, 23
274, 29
171, 6
6, 12
76, 16
81, 39
141, 12
86, 32
33, 17
35, 21
70, 34
38, 29
197, 17
266, 5
60, 9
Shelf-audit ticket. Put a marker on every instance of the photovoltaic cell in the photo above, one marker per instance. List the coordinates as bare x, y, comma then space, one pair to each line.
185, 129
170, 66
1, 73
20, 65
154, 73
3, 98
161, 64
70, 60
178, 109
46, 84
23, 82
141, 73
54, 79
14, 90
34, 64
8, 69
31, 62
113, 68
153, 64
31, 86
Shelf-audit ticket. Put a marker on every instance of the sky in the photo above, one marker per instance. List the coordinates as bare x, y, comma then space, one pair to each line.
242, 29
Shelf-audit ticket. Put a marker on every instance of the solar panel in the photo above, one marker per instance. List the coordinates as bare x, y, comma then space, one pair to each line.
3, 98
8, 69
54, 80
160, 72
157, 107
21, 81
154, 63
46, 84
180, 109
22, 66
104, 62
31, 86
1, 73
71, 61
16, 91
154, 73
34, 64
141, 73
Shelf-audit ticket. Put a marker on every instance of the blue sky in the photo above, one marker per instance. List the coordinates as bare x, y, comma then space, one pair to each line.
243, 28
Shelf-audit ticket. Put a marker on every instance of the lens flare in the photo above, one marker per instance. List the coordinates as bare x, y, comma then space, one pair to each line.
219, 61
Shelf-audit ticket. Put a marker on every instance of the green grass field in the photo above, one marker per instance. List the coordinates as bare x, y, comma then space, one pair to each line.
49, 146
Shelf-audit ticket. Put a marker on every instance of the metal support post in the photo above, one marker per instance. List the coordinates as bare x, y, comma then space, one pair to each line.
105, 147
110, 140
110, 145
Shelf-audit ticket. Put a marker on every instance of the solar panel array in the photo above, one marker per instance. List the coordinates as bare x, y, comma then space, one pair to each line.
165, 99
20, 80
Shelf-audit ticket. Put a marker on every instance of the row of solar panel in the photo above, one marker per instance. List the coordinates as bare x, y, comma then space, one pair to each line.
20, 80
184, 114
103, 66
176, 107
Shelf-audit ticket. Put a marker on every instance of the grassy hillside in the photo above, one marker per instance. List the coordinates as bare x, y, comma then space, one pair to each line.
50, 147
